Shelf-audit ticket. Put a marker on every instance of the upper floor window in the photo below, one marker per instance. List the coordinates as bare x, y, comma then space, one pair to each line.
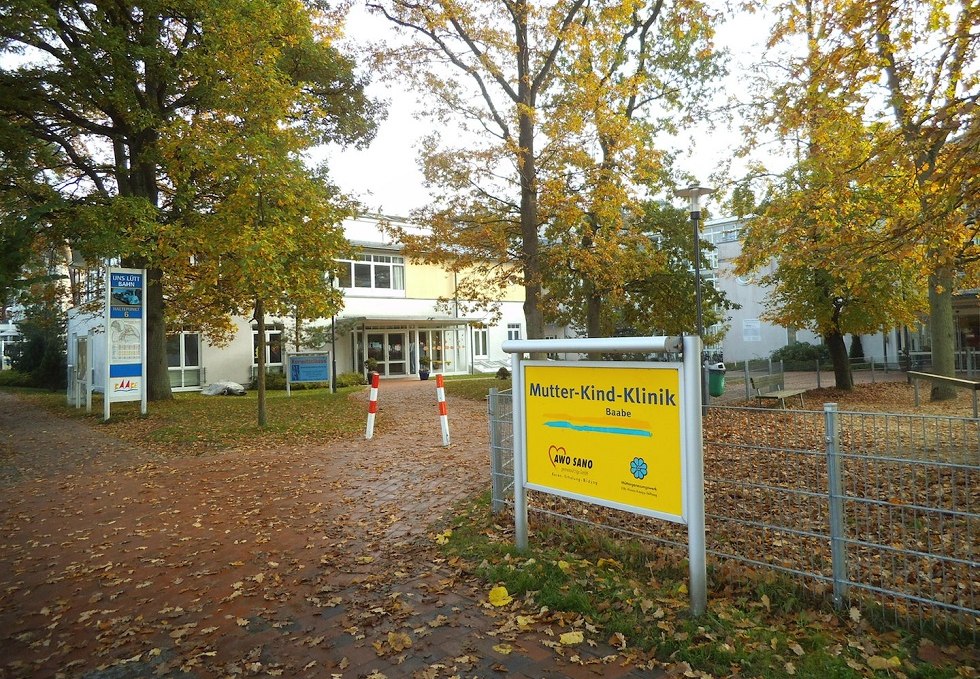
513, 331
381, 272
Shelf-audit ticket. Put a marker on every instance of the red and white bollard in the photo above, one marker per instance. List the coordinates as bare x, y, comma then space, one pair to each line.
443, 413
372, 405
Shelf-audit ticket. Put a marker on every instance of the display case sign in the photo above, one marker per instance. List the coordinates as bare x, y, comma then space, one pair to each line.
125, 336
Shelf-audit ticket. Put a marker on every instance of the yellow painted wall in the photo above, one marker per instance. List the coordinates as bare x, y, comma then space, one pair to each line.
427, 281
430, 281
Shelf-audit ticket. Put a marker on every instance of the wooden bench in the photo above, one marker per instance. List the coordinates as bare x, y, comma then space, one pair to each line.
771, 386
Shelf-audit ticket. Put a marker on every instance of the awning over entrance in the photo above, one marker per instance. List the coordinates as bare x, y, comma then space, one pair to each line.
348, 323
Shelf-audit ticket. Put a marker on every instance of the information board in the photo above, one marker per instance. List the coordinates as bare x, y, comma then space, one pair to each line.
307, 366
608, 433
125, 330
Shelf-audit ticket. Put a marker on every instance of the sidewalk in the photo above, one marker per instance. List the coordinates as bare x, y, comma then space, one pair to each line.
298, 562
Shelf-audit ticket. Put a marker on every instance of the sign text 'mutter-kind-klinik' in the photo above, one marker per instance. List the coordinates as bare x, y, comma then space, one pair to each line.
589, 392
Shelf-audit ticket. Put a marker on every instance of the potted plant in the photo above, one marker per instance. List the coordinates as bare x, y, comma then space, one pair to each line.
424, 364
371, 365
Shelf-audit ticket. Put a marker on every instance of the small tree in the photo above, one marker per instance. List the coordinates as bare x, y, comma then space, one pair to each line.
857, 349
41, 351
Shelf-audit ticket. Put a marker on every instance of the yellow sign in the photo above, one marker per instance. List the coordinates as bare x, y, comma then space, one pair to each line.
607, 432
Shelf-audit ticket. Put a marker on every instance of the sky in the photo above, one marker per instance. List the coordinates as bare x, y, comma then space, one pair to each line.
386, 178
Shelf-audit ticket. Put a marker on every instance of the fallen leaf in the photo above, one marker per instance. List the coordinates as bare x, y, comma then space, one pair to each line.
618, 640
876, 662
399, 641
503, 649
855, 614
790, 668
571, 638
499, 596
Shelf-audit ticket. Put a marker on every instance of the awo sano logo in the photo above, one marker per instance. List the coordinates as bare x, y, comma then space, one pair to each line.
559, 456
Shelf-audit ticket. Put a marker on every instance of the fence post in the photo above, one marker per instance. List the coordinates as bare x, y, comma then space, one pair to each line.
496, 466
520, 456
872, 371
748, 390
835, 494
818, 373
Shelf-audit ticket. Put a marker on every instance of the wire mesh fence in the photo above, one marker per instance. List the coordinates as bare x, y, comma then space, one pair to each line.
873, 510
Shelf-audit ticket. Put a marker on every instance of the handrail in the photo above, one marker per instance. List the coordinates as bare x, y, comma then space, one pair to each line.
973, 385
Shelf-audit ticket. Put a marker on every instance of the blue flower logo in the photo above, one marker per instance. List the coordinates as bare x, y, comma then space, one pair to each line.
638, 467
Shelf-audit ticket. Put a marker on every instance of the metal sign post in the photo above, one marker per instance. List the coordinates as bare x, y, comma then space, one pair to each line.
625, 435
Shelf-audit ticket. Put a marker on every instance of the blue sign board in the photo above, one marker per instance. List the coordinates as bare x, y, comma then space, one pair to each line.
309, 367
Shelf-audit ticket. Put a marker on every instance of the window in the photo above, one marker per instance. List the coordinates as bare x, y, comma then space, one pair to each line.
273, 345
480, 342
184, 359
513, 331
379, 272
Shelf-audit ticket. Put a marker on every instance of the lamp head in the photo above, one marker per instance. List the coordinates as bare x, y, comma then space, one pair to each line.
693, 193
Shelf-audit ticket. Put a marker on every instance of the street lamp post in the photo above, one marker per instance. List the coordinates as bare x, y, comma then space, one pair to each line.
693, 193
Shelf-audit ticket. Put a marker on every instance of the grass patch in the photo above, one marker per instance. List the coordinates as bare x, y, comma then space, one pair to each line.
757, 625
192, 423
474, 387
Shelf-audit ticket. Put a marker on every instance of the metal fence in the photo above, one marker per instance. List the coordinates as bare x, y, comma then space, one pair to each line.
878, 511
805, 374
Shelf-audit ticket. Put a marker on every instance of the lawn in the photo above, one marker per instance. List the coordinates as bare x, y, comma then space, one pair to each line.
195, 424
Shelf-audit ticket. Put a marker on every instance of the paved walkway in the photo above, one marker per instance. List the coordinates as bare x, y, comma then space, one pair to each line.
313, 561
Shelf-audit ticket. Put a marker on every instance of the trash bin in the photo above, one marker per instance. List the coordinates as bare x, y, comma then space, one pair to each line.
716, 379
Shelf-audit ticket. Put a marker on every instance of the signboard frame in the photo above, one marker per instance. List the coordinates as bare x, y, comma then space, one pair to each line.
125, 333
297, 375
692, 448
634, 429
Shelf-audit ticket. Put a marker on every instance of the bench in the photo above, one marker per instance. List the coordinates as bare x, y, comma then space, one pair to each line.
771, 386
973, 385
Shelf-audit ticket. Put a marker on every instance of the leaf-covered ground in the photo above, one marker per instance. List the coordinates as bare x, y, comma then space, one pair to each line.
190, 544
260, 559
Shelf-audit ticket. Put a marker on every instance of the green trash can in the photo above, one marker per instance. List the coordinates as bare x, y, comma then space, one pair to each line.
716, 379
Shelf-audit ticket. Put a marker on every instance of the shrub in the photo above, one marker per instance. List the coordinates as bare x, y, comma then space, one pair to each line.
801, 351
274, 381
15, 378
349, 380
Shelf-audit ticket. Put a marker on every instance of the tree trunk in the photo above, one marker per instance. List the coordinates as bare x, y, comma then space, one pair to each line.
593, 316
527, 169
838, 355
941, 327
157, 372
260, 359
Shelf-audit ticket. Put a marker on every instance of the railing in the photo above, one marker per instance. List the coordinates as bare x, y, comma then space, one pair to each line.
972, 385
874, 510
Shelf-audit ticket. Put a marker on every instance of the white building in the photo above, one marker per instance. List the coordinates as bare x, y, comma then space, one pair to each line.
392, 316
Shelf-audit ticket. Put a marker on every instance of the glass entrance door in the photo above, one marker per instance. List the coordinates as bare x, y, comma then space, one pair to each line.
390, 351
